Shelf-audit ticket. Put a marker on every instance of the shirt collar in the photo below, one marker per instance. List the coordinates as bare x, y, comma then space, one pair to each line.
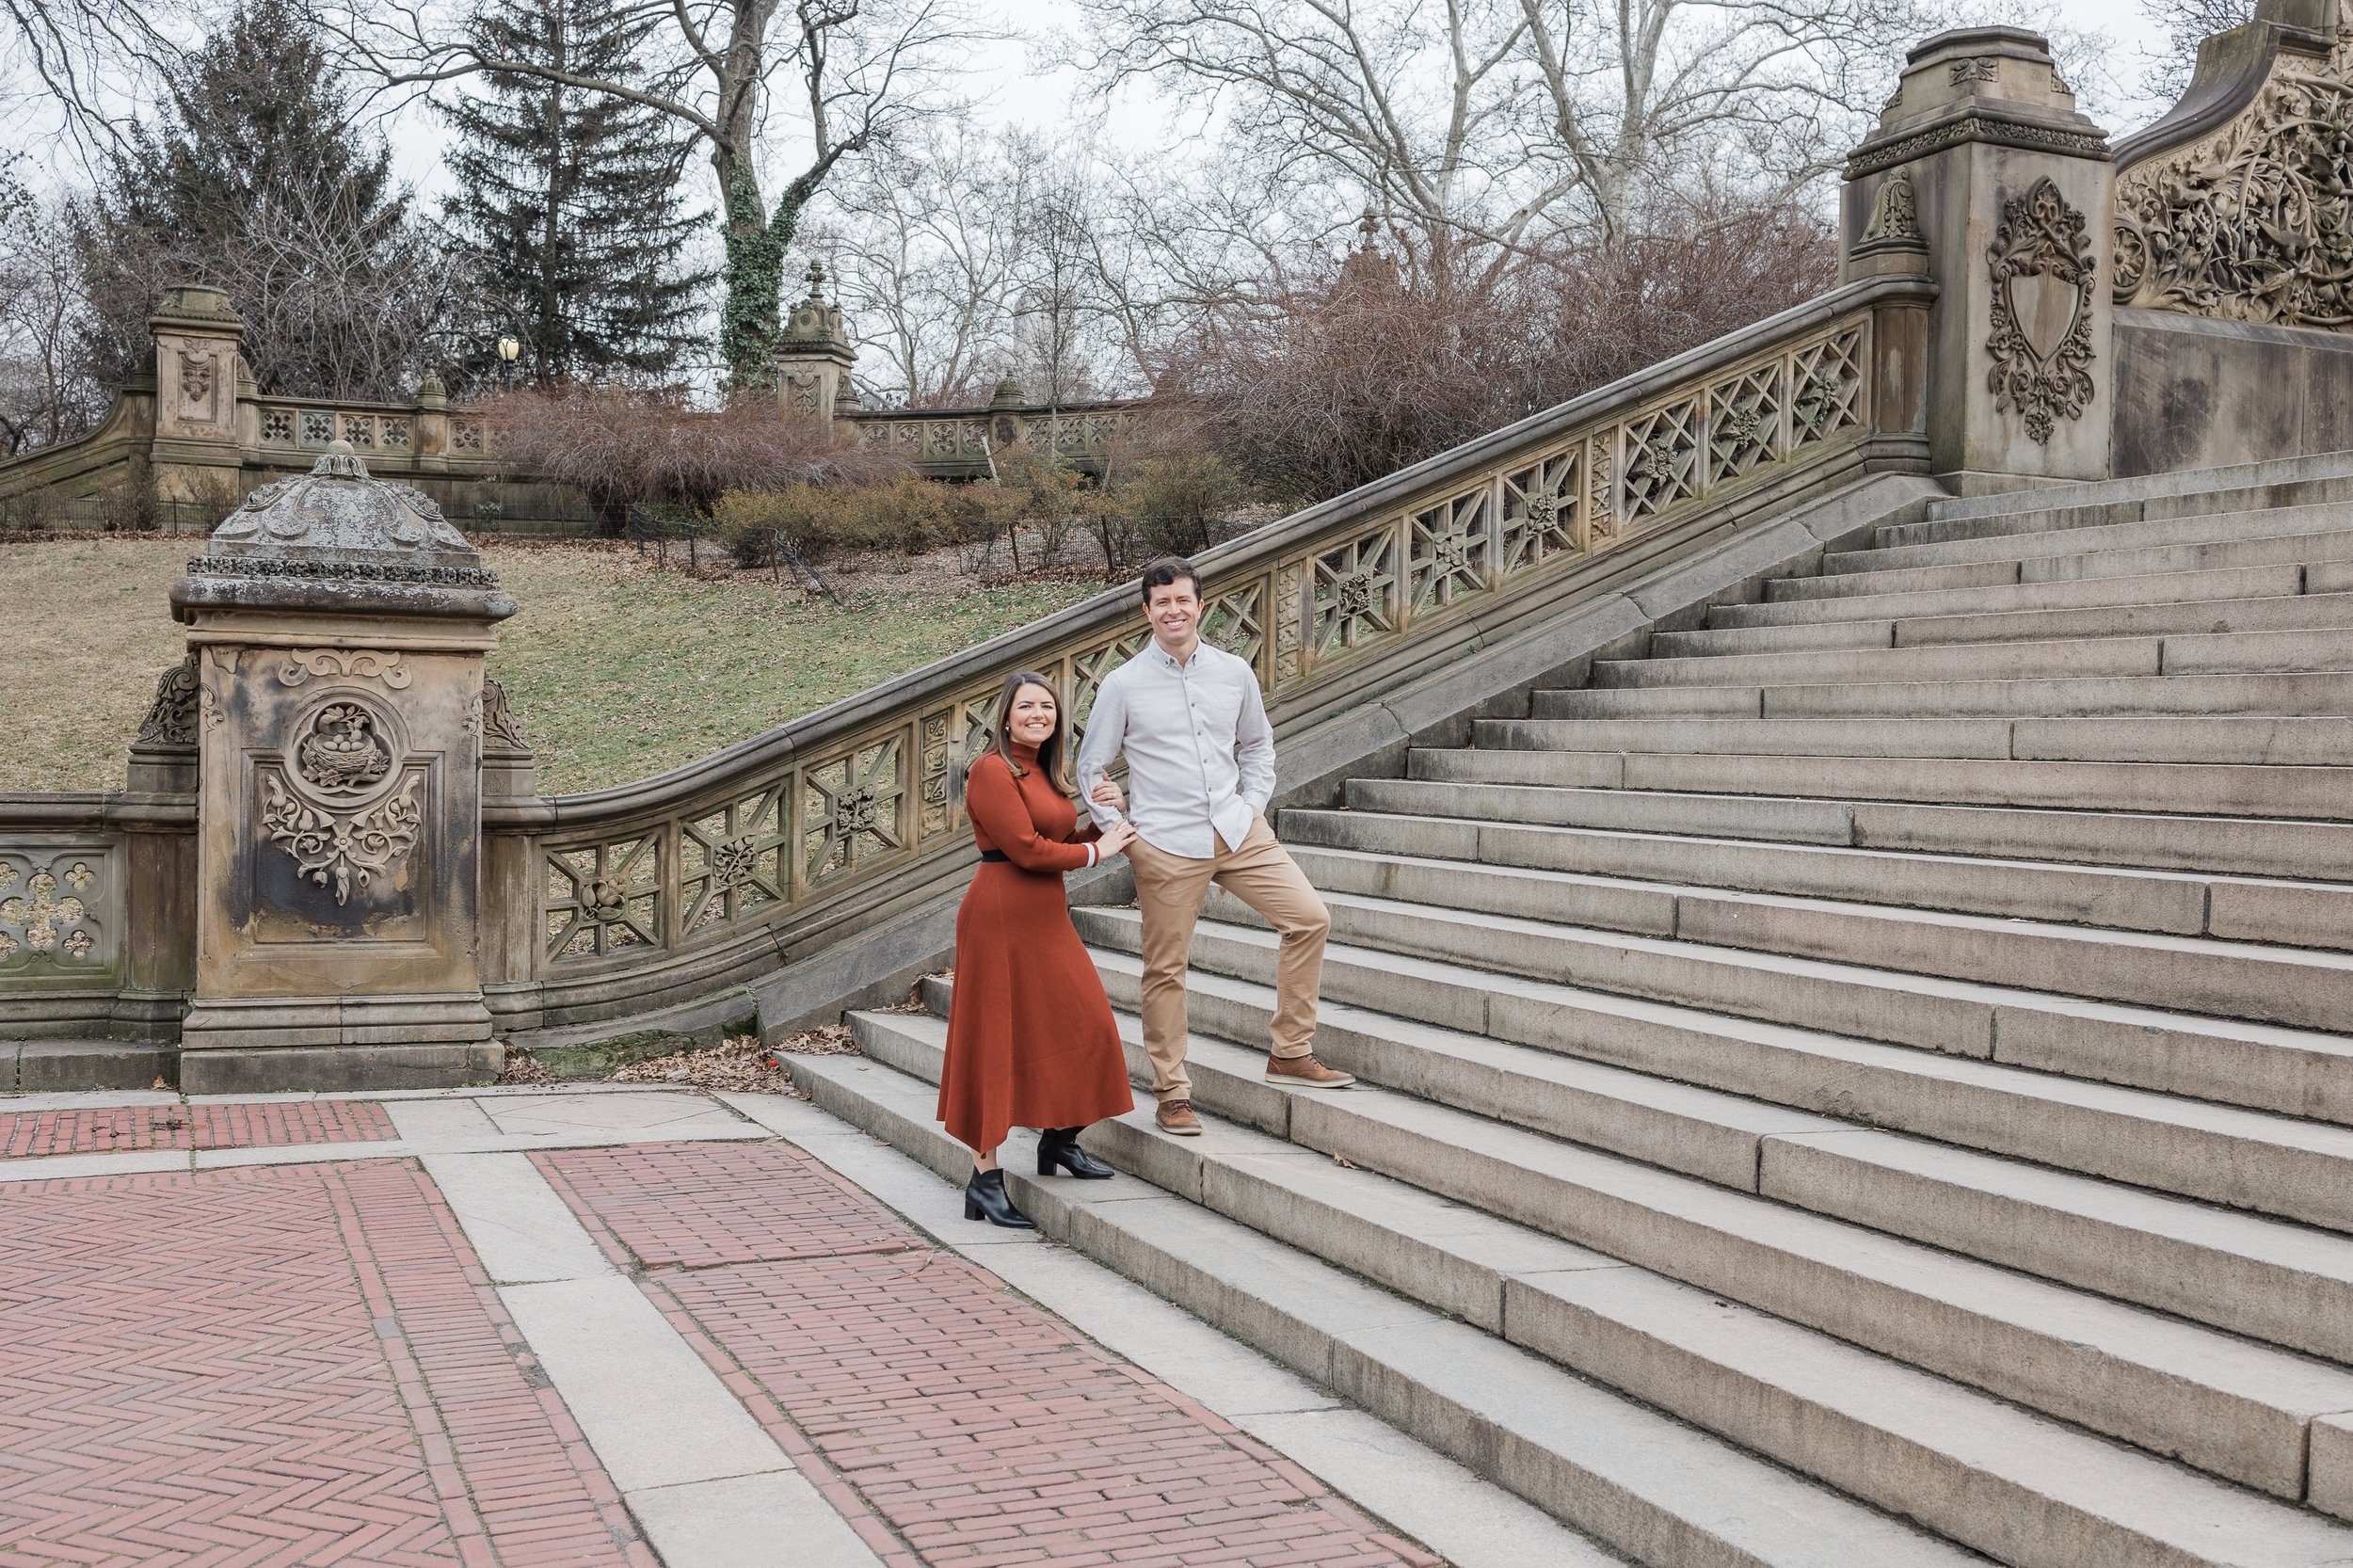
1169, 661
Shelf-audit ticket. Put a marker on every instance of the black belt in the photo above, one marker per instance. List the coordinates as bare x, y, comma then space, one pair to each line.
995, 855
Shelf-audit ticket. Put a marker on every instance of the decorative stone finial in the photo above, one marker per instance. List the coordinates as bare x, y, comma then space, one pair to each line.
816, 276
815, 323
336, 511
1009, 393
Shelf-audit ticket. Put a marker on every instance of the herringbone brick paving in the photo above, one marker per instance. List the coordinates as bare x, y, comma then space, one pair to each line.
298, 1364
982, 1429
191, 1126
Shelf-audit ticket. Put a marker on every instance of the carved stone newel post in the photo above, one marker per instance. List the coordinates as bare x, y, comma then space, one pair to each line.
1982, 172
813, 355
339, 626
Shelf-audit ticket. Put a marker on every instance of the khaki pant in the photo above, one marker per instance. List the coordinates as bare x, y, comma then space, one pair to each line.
1169, 891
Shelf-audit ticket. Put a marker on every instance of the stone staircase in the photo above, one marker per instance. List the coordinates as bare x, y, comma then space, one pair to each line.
1868, 1083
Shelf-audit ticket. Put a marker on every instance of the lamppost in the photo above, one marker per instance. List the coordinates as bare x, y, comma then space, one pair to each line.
508, 348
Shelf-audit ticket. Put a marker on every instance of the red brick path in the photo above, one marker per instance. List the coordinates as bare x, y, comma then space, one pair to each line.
192, 1126
979, 1427
276, 1366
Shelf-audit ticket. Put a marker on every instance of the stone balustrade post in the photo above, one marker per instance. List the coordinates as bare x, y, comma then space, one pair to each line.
339, 626
814, 356
1983, 175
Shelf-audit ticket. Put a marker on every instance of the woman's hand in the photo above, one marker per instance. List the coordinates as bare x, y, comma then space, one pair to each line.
1115, 840
1107, 794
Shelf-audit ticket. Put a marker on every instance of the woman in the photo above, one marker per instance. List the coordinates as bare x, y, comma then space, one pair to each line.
1030, 1041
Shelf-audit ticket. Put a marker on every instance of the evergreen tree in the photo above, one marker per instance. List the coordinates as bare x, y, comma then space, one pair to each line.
568, 201
254, 180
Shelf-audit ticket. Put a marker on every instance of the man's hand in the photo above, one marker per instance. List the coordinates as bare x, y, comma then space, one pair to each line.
1107, 794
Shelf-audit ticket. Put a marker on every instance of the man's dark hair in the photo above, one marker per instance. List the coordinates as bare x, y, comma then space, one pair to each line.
1168, 570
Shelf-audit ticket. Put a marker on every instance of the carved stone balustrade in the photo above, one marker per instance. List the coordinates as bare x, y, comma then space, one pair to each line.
337, 625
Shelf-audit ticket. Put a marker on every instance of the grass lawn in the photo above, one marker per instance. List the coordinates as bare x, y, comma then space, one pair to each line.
617, 670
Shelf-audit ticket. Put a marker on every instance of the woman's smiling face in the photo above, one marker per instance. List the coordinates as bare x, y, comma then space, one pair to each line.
1034, 711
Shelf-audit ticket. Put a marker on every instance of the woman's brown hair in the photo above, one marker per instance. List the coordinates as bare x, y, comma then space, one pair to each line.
1049, 756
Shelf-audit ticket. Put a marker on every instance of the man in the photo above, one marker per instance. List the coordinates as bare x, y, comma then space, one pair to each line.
1201, 764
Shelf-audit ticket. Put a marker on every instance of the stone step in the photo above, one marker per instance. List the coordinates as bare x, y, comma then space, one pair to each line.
2303, 741
2227, 845
2231, 1061
1515, 911
2219, 1154
2141, 534
2073, 658
2273, 482
1622, 1325
2285, 613
2095, 593
2295, 914
53, 1067
2328, 695
2303, 549
2050, 511
1651, 1486
2322, 794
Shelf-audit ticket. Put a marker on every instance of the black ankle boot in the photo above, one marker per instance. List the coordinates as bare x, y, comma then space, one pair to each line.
984, 1199
1059, 1147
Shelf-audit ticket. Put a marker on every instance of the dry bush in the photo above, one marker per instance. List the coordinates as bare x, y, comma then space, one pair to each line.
619, 446
1336, 383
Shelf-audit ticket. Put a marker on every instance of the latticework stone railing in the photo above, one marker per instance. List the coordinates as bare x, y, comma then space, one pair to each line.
742, 844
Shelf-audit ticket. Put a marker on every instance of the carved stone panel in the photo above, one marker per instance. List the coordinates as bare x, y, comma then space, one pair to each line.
60, 903
2253, 222
2043, 295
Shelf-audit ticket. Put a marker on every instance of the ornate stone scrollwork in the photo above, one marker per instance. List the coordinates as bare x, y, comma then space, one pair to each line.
337, 851
304, 664
49, 918
171, 717
2254, 223
500, 727
1894, 210
2044, 277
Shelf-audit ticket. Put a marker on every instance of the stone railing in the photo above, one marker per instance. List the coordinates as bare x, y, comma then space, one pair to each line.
961, 443
292, 432
687, 881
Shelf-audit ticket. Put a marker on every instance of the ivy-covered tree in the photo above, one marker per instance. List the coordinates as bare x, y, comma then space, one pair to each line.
567, 199
253, 179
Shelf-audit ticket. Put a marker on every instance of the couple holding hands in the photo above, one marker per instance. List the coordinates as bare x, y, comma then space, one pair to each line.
1031, 1038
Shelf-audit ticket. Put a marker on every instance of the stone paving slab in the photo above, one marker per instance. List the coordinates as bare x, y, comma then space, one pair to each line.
980, 1429
285, 1364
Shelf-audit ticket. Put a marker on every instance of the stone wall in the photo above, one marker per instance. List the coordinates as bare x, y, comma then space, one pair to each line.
2195, 393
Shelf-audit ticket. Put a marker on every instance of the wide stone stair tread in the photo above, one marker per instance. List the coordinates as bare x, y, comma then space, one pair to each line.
2276, 614
2291, 580
2069, 657
2244, 790
2301, 740
1951, 518
1650, 1485
2309, 550
2294, 912
2285, 848
2308, 693
2026, 1488
2101, 538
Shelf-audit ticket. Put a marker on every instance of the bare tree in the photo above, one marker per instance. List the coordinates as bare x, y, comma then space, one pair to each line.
856, 73
1476, 129
2187, 23
83, 54
47, 394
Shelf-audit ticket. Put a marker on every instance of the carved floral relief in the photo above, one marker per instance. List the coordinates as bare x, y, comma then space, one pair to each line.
343, 807
2044, 277
2254, 223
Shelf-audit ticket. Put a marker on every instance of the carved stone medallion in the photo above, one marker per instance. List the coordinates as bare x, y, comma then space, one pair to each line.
340, 852
2044, 277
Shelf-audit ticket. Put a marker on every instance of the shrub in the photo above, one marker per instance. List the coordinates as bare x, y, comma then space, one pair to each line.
814, 519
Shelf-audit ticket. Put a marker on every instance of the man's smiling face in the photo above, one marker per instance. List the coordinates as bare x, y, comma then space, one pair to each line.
1174, 610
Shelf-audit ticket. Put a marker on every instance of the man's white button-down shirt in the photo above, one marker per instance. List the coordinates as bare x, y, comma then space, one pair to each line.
1200, 752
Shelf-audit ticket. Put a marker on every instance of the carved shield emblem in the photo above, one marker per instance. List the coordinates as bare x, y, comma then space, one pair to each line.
2042, 276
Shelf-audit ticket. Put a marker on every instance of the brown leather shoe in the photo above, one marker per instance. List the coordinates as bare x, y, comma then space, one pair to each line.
1176, 1116
1306, 1072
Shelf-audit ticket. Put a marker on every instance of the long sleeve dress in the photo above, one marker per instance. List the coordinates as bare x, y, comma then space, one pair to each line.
1031, 1040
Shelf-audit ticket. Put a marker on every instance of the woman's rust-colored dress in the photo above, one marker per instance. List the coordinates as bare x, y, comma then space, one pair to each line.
1031, 1040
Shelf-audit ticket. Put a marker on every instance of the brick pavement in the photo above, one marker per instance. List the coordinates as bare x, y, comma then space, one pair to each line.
115, 1129
919, 1392
276, 1366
